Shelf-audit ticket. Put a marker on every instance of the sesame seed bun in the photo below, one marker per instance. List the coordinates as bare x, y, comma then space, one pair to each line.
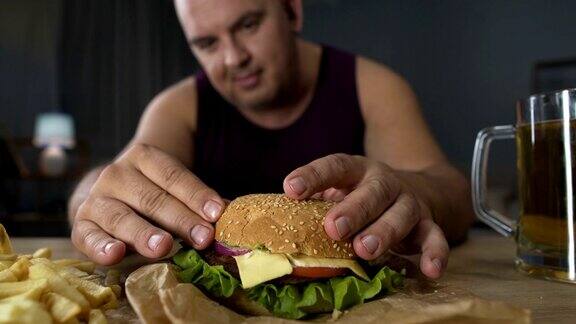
282, 225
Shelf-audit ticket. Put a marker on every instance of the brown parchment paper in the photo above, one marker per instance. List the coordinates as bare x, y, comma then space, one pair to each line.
157, 297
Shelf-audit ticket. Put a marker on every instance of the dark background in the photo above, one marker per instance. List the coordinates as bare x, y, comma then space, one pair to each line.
103, 60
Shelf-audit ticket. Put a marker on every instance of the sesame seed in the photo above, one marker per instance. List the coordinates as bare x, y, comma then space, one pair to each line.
315, 251
221, 233
228, 236
338, 249
280, 248
350, 254
289, 216
272, 226
230, 222
280, 232
294, 245
301, 223
334, 245
295, 230
287, 240
284, 225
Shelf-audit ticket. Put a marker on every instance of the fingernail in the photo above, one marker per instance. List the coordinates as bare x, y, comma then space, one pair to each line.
154, 240
212, 209
342, 226
199, 234
108, 247
370, 243
438, 264
297, 185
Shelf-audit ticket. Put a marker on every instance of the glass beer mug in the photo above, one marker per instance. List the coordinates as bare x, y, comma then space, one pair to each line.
545, 135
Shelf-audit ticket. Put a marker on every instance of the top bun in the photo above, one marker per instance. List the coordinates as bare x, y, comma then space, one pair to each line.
280, 224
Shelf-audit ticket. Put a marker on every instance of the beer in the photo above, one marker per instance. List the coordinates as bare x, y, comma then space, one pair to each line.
547, 176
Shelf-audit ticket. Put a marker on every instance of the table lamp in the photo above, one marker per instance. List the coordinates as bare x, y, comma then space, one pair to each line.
54, 132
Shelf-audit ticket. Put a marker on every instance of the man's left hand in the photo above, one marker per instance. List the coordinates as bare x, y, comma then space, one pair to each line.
375, 207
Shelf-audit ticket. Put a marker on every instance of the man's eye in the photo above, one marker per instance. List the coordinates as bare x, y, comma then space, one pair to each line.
205, 45
250, 24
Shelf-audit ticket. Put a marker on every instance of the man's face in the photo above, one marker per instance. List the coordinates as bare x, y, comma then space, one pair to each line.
246, 47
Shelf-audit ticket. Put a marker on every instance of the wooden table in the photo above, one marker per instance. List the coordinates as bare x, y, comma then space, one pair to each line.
483, 265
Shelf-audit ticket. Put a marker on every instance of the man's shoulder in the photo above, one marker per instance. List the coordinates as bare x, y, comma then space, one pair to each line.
181, 93
369, 70
177, 102
381, 90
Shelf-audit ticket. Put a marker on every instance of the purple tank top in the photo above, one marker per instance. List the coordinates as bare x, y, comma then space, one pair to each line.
236, 157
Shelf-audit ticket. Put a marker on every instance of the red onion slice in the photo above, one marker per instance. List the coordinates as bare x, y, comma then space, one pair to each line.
224, 249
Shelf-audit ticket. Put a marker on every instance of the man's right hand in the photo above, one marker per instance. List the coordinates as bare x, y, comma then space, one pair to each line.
139, 200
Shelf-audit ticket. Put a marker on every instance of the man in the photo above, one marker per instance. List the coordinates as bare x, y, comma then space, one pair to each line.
274, 112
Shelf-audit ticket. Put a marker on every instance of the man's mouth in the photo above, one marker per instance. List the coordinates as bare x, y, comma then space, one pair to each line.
247, 80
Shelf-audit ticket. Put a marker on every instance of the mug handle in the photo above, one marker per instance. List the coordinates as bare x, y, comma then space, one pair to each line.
502, 224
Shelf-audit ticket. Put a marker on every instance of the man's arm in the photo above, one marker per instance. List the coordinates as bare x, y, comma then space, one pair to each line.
397, 135
167, 124
148, 192
397, 196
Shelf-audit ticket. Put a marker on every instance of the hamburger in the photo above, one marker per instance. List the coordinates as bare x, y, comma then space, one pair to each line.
271, 256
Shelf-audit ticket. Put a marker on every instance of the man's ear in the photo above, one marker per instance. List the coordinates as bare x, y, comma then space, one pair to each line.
295, 14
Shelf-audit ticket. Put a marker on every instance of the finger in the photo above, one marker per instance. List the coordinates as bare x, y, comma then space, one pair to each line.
435, 249
364, 205
123, 223
172, 176
331, 194
151, 201
336, 195
389, 229
91, 240
336, 170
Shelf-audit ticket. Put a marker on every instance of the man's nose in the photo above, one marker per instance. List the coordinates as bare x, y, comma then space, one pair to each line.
236, 55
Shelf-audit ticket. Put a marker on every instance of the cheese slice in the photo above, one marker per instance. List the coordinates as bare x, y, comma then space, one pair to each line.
257, 267
308, 261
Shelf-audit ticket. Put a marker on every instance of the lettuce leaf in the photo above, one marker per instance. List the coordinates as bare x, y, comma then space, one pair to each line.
214, 279
289, 301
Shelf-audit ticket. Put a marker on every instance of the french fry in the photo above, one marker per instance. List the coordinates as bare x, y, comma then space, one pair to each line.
23, 311
7, 276
9, 289
32, 294
97, 295
73, 320
5, 245
43, 253
35, 289
20, 268
6, 263
112, 277
117, 290
61, 308
93, 278
97, 317
82, 265
58, 284
74, 271
8, 257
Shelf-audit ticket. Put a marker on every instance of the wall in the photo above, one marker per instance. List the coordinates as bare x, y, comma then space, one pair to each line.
29, 34
467, 60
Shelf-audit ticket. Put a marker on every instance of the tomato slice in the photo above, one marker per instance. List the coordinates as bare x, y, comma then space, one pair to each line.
318, 272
